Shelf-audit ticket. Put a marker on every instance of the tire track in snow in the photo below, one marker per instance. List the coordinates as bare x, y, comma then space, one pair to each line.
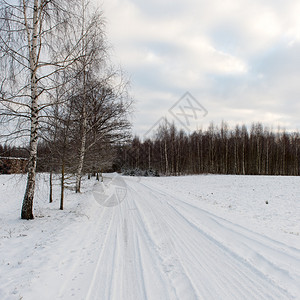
160, 247
207, 289
249, 267
188, 248
127, 266
169, 265
97, 280
249, 280
275, 260
131, 273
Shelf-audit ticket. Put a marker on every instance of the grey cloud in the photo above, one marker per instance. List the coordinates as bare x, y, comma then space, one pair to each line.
175, 46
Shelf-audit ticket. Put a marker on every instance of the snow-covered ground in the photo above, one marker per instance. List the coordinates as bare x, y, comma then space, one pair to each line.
193, 237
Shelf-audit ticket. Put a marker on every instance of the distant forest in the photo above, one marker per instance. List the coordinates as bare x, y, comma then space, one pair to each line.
12, 151
217, 150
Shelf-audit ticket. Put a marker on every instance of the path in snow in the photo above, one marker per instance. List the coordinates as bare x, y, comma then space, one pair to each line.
170, 238
159, 246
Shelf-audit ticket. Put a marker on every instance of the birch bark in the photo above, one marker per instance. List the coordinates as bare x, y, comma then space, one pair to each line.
27, 206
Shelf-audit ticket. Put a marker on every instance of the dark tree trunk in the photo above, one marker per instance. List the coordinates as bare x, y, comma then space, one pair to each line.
50, 183
62, 186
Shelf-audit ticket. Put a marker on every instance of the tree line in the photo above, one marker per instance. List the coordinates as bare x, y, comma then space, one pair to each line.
13, 151
60, 97
217, 150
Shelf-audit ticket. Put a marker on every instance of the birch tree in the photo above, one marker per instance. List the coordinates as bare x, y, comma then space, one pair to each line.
106, 107
31, 38
93, 54
101, 101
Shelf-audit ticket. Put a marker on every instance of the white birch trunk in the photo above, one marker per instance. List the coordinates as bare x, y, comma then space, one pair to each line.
81, 153
32, 48
82, 149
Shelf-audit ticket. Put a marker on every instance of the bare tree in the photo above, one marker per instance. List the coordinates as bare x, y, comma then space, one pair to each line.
217, 150
31, 35
93, 54
101, 102
105, 121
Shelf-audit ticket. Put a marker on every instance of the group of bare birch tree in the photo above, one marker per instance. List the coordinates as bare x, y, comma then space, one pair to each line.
58, 89
217, 150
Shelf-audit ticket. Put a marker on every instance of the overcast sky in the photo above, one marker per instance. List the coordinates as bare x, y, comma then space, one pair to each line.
238, 59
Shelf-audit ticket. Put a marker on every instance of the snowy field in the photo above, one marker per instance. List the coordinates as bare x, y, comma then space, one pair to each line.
194, 237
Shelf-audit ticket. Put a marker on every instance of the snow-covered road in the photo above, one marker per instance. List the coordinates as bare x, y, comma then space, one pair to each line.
158, 246
162, 242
